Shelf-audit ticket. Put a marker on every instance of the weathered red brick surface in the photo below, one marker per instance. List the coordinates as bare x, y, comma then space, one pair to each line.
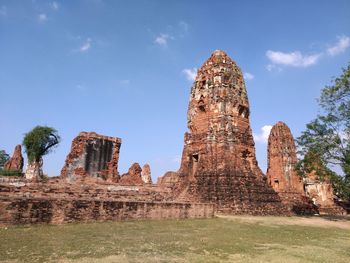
218, 161
93, 155
282, 158
58, 211
55, 201
15, 163
169, 179
218, 173
133, 176
321, 193
146, 174
281, 173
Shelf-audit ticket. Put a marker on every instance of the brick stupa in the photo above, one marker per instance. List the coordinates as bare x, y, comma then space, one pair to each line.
15, 163
282, 158
281, 173
218, 161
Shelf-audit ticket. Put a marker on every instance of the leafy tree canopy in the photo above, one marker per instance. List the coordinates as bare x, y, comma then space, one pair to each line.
3, 158
325, 144
40, 141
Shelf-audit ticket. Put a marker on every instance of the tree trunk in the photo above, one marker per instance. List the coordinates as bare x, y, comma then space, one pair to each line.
34, 170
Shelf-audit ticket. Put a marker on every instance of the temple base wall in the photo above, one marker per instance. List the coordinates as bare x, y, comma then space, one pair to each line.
15, 211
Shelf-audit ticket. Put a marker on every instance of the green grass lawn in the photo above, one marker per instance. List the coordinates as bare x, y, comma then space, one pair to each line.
227, 239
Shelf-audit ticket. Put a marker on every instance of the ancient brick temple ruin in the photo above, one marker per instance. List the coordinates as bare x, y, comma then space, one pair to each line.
15, 163
133, 176
281, 173
219, 172
282, 158
146, 174
320, 191
93, 155
321, 194
218, 160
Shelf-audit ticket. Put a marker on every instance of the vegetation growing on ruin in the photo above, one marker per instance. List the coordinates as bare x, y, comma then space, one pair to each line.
40, 141
10, 173
3, 158
325, 144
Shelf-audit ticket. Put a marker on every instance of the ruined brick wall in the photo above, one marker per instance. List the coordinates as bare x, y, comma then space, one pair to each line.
93, 155
58, 201
169, 179
282, 158
133, 176
218, 161
58, 211
146, 174
15, 163
321, 193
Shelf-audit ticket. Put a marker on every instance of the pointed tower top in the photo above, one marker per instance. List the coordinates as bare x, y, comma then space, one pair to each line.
216, 64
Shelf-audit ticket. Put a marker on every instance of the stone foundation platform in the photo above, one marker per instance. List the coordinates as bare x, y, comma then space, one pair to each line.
58, 211
57, 202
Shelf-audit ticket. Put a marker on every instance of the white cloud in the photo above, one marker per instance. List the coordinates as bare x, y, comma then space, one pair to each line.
342, 44
295, 58
264, 134
248, 76
172, 32
42, 18
3, 11
86, 46
55, 5
190, 73
162, 40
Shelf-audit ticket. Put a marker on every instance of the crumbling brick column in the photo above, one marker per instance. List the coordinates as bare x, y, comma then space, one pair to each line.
93, 155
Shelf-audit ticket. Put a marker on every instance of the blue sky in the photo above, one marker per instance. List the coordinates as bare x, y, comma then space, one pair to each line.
125, 68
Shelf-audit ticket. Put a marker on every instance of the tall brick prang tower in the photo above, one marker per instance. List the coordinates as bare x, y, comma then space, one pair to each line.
218, 161
282, 158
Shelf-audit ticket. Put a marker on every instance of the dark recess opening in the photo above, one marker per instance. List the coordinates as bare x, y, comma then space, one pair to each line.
240, 110
195, 158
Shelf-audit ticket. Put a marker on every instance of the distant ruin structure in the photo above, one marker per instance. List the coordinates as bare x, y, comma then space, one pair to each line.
320, 191
34, 170
281, 173
15, 163
133, 176
219, 172
93, 155
281, 160
146, 174
169, 179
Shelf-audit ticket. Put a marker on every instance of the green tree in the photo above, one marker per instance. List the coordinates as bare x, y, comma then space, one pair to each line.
37, 143
325, 144
3, 158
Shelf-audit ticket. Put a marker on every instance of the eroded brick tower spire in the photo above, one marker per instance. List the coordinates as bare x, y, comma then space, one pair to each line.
218, 160
281, 160
219, 138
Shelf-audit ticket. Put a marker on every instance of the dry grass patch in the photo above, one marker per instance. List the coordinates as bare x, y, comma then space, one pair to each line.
314, 221
228, 239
